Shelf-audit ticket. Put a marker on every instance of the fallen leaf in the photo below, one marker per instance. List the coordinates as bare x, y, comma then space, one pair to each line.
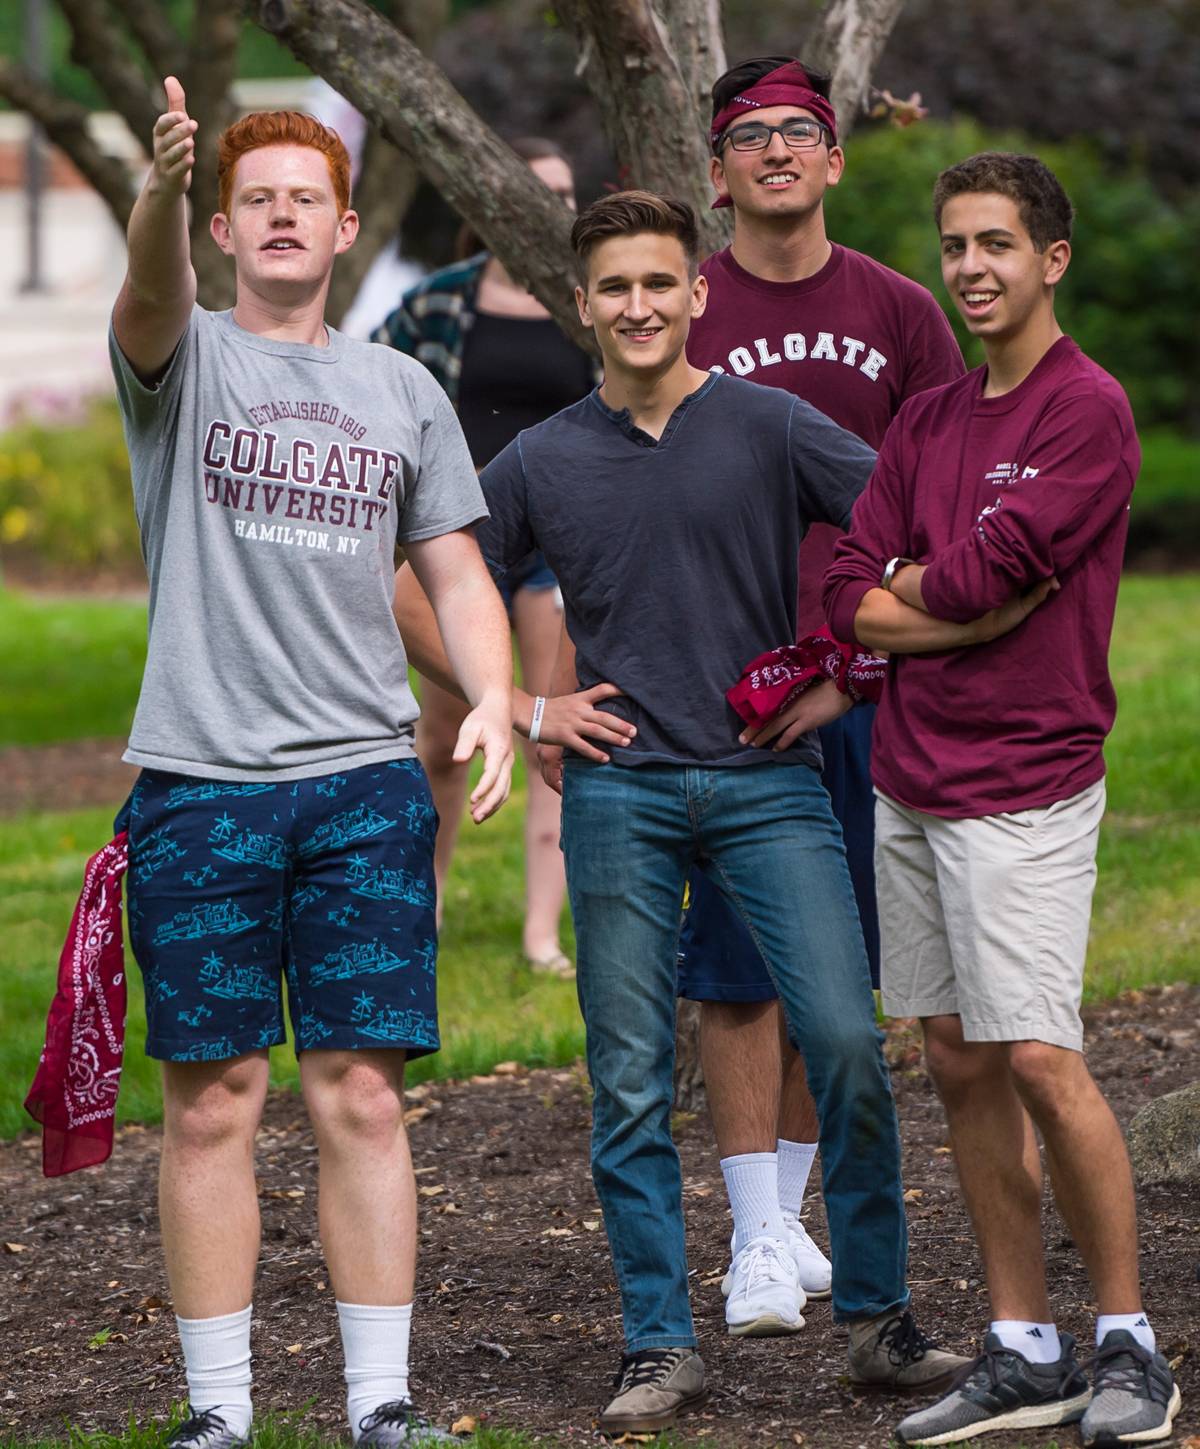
942, 1151
591, 1225
913, 1194
446, 1208
152, 1302
416, 1114
293, 1348
797, 1438
961, 1285
466, 1425
556, 1318
116, 1283
433, 1191
557, 1233
507, 1069
16, 1247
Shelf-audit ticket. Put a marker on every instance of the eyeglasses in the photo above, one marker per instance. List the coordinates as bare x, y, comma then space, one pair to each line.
799, 135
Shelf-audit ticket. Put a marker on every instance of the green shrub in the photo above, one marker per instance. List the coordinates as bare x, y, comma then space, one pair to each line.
65, 496
1133, 261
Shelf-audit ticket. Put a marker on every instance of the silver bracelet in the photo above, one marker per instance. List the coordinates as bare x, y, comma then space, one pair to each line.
894, 566
535, 725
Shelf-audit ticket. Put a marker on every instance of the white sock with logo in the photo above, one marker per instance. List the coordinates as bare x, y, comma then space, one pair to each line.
752, 1182
1038, 1342
375, 1345
216, 1357
1136, 1323
795, 1163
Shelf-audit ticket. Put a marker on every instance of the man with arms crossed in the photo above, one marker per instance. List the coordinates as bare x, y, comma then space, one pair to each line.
788, 308
670, 504
281, 823
989, 772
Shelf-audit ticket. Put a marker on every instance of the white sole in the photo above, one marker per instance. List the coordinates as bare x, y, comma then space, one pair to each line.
1160, 1431
804, 1294
1036, 1416
769, 1325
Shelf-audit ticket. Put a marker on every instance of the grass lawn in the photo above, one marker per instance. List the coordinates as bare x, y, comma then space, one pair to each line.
1146, 925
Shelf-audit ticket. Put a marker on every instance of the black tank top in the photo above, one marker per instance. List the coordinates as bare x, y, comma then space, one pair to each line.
516, 371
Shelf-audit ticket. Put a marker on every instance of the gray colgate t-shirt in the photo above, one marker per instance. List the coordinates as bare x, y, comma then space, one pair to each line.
272, 482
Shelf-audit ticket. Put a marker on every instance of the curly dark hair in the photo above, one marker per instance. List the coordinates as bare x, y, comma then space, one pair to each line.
1045, 208
749, 72
626, 213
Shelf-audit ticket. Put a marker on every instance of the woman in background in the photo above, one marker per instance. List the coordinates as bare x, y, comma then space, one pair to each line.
505, 366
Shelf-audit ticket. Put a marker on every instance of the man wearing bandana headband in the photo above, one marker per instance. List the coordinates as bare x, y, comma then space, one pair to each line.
790, 309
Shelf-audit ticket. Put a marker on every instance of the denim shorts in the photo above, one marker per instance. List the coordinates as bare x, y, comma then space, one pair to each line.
326, 883
717, 959
531, 573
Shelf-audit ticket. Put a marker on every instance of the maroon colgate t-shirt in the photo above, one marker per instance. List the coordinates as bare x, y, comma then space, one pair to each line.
995, 494
855, 340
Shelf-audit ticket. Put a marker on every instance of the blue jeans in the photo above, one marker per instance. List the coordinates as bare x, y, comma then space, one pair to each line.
766, 836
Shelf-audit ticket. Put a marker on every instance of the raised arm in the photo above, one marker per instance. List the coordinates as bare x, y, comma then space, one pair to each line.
159, 290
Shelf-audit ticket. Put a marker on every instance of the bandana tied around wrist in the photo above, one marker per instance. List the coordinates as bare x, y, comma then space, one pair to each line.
74, 1094
779, 677
788, 85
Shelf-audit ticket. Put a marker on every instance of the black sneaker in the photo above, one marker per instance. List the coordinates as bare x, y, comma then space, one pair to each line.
653, 1387
206, 1430
891, 1352
397, 1422
1135, 1398
1001, 1389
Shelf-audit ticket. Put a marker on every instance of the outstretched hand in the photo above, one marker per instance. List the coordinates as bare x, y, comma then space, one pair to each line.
174, 141
480, 732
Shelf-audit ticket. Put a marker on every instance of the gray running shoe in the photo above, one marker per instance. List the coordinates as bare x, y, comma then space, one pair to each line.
891, 1352
396, 1423
206, 1430
1135, 1397
653, 1388
1003, 1390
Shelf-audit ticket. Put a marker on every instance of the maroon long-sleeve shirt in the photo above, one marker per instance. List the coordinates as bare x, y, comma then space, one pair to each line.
995, 494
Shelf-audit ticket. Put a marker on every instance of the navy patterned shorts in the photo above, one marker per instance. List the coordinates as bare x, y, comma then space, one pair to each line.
327, 881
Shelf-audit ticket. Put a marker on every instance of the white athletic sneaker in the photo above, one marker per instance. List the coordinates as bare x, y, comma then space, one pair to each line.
816, 1271
765, 1296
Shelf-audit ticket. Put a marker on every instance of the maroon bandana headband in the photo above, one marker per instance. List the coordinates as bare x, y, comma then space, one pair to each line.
786, 86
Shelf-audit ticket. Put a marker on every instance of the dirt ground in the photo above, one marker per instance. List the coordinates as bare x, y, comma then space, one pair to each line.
517, 1314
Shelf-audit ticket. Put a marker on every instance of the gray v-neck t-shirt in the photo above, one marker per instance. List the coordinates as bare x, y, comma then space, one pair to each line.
272, 482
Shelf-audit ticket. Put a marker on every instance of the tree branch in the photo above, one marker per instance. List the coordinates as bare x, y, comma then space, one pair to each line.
66, 125
387, 179
208, 80
410, 100
652, 103
97, 48
151, 29
848, 41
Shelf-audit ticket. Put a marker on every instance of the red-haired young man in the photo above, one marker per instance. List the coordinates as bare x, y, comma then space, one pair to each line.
281, 824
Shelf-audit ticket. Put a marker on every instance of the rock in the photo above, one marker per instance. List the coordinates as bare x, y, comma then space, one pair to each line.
1164, 1138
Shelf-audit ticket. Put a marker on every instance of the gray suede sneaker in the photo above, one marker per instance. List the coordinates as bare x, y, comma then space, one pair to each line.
206, 1430
890, 1352
1135, 1398
653, 1388
1003, 1390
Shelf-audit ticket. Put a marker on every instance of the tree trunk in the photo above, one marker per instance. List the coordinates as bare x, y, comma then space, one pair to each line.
848, 41
652, 96
387, 179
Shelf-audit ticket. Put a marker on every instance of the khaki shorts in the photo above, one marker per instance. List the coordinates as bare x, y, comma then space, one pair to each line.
987, 919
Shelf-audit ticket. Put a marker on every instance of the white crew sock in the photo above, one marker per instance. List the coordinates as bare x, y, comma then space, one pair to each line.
752, 1182
375, 1345
216, 1356
1038, 1342
795, 1163
1136, 1323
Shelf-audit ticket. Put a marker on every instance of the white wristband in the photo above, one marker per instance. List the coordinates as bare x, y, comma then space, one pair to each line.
535, 724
